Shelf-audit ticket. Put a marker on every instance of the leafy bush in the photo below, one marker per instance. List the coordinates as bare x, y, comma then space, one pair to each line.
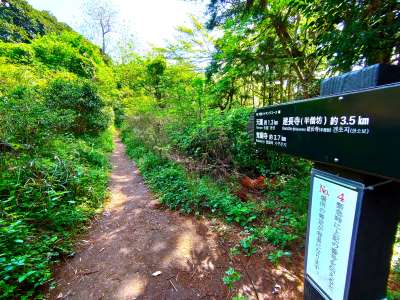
218, 137
119, 115
280, 163
63, 52
247, 244
294, 192
45, 198
231, 277
20, 22
239, 297
275, 256
17, 53
23, 120
79, 105
393, 295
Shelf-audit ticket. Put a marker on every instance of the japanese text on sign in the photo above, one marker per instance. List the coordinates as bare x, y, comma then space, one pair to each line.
332, 217
308, 124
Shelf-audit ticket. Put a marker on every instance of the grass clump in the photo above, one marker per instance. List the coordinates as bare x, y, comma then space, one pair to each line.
46, 199
180, 190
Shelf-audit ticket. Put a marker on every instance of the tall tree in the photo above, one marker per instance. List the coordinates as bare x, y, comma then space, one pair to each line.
100, 19
155, 69
193, 44
347, 32
363, 32
271, 44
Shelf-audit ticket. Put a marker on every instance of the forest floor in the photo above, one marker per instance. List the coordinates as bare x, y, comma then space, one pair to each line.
135, 237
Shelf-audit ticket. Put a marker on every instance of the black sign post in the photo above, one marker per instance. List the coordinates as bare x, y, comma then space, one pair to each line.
354, 139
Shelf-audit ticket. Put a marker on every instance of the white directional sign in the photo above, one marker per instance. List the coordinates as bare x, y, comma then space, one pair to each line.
332, 227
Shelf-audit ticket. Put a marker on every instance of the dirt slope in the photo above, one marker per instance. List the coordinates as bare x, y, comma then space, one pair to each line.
135, 238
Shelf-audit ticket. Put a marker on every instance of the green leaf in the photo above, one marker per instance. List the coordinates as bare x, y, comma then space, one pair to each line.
25, 276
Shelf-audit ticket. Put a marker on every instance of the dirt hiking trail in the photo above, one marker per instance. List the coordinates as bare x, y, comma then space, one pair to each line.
136, 237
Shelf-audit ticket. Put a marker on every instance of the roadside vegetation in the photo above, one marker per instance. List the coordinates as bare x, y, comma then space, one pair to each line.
187, 129
55, 112
183, 113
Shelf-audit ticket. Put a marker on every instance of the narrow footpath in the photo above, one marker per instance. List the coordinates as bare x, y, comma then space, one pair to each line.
138, 250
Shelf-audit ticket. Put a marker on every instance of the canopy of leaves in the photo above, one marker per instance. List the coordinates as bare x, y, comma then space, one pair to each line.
20, 22
355, 32
347, 32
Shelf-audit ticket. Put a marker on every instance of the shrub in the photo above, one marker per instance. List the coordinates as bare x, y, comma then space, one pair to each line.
275, 256
277, 236
219, 137
25, 119
66, 51
17, 53
79, 105
119, 115
247, 244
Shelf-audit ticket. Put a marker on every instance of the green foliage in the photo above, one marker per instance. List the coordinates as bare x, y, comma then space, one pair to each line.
68, 51
19, 22
294, 193
280, 163
179, 190
355, 32
277, 236
231, 276
22, 109
54, 168
119, 115
45, 200
17, 53
275, 256
247, 245
79, 105
393, 295
219, 138
239, 297
275, 51
155, 69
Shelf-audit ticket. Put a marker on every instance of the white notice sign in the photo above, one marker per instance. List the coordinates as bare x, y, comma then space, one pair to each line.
333, 215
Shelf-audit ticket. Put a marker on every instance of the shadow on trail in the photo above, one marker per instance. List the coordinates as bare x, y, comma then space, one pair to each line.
135, 238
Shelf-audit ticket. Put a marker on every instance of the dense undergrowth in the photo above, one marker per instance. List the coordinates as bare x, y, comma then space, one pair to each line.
183, 191
194, 156
46, 198
55, 111
221, 144
274, 218
186, 130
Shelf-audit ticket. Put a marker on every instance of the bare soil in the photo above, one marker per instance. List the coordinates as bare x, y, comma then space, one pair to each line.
136, 237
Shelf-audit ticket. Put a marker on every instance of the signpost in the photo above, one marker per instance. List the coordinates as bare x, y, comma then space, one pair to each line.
344, 130
354, 207
334, 211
